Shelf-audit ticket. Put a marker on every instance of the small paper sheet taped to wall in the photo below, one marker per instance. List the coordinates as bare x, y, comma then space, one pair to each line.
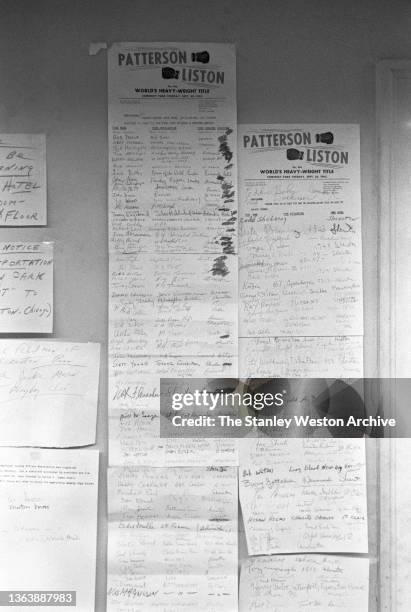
26, 287
304, 583
48, 517
48, 393
300, 270
304, 495
23, 183
134, 416
172, 539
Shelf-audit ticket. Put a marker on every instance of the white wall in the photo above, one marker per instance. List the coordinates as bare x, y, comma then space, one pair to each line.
298, 60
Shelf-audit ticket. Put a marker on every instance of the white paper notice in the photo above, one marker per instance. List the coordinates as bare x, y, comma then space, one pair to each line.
300, 231
134, 415
26, 287
304, 495
304, 583
166, 306
301, 357
23, 185
48, 518
172, 539
48, 393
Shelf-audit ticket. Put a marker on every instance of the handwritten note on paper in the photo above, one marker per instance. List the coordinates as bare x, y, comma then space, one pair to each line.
304, 495
26, 287
172, 538
134, 413
180, 305
304, 583
48, 393
23, 186
300, 231
188, 178
134, 382
48, 517
301, 357
172, 593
